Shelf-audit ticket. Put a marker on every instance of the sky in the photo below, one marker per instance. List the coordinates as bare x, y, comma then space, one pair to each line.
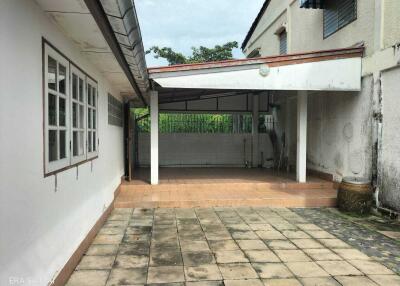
181, 24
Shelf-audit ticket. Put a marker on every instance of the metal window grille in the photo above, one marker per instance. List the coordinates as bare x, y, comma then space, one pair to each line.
115, 111
337, 14
283, 43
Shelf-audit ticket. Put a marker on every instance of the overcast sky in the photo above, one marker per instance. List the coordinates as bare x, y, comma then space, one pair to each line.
181, 24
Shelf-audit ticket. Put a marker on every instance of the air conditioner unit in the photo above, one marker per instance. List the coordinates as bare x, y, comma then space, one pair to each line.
313, 4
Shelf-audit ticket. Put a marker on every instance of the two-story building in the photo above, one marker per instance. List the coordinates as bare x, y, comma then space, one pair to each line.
349, 134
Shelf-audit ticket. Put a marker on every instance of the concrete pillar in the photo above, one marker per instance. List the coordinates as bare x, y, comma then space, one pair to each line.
255, 159
154, 138
301, 162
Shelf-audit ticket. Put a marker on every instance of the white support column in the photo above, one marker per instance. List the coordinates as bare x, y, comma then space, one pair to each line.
301, 162
255, 150
154, 138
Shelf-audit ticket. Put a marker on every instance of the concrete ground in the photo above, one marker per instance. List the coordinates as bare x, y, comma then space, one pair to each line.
237, 246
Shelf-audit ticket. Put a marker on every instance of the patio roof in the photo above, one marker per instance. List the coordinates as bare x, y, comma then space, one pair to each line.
331, 70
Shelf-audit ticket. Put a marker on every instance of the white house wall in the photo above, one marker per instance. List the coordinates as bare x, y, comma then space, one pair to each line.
194, 149
41, 226
389, 176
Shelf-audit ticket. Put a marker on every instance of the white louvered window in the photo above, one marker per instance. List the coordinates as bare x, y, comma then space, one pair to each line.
337, 14
92, 122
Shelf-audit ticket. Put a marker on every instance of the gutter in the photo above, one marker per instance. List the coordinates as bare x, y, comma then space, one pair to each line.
102, 19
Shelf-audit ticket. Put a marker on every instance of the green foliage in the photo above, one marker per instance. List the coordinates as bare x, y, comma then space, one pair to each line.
199, 55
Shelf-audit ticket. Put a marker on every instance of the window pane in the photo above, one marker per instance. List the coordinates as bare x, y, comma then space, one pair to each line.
81, 116
89, 89
94, 97
74, 86
89, 118
63, 144
81, 89
52, 145
94, 141
62, 72
52, 109
81, 142
89, 141
94, 119
75, 143
51, 73
74, 115
61, 111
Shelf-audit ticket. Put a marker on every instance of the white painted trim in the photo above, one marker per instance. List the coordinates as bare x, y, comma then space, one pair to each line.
154, 165
301, 162
92, 154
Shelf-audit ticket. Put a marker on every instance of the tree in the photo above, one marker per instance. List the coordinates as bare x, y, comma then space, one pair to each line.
199, 55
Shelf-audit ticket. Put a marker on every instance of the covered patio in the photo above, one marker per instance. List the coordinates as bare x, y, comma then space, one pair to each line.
251, 86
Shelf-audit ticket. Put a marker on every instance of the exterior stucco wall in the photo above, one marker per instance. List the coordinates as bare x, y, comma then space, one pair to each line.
391, 22
306, 22
42, 226
339, 132
389, 175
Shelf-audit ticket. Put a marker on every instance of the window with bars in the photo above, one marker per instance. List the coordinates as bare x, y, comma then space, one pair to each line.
115, 111
70, 113
338, 14
283, 43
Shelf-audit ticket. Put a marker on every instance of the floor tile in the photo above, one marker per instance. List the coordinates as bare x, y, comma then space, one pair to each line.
230, 256
319, 234
306, 269
88, 278
197, 258
131, 261
205, 283
137, 248
334, 243
292, 255
108, 239
102, 249
272, 270
351, 254
269, 234
244, 235
307, 243
282, 282
295, 234
95, 262
280, 244
386, 280
237, 271
223, 245
119, 276
165, 258
323, 281
203, 272
246, 282
337, 268
322, 254
261, 256
194, 245
370, 267
251, 244
165, 274
355, 281
308, 226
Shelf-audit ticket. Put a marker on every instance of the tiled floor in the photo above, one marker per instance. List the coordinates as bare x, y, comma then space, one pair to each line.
224, 246
211, 187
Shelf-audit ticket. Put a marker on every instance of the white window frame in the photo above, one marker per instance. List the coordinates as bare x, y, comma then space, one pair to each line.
59, 163
80, 129
90, 108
